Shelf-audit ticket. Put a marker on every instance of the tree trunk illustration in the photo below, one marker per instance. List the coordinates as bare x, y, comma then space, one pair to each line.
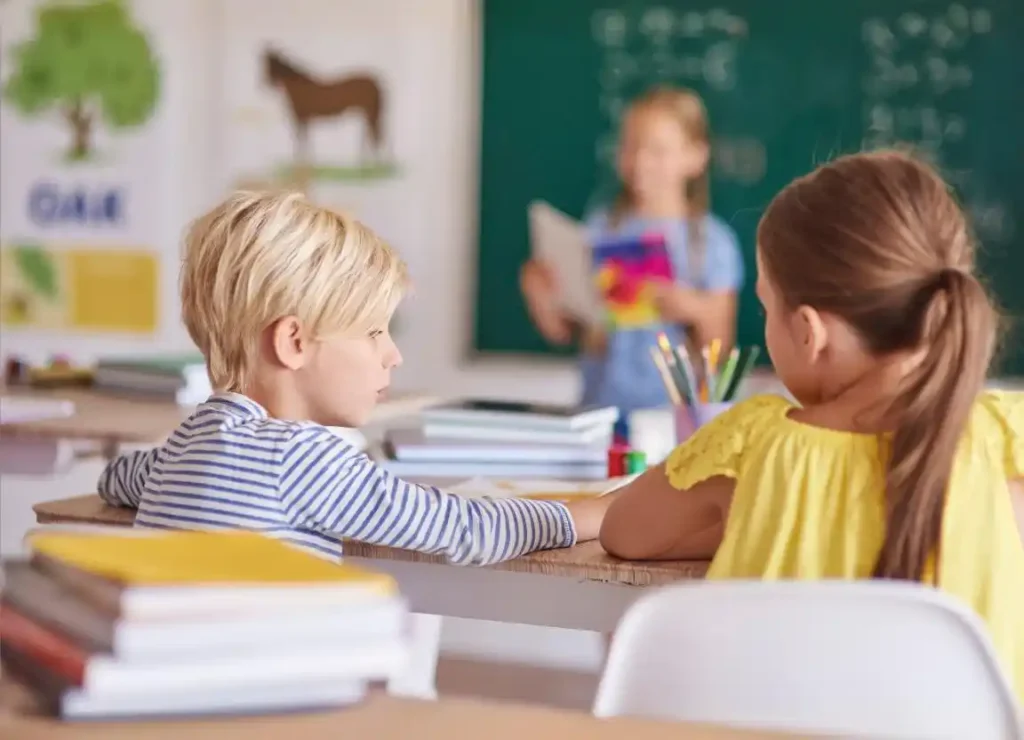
81, 128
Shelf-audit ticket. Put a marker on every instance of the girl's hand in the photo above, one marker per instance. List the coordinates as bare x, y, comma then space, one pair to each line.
540, 291
675, 303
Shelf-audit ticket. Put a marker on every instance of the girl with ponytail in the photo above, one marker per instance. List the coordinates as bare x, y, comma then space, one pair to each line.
897, 463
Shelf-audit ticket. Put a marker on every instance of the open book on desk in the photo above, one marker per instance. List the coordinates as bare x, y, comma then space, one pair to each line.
551, 490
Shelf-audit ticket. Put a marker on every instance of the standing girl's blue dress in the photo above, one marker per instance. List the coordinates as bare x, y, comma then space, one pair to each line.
624, 374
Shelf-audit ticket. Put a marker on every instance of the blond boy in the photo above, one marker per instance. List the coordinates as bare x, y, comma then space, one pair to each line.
290, 305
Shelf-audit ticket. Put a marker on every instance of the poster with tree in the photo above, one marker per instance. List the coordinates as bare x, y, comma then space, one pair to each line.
83, 161
88, 63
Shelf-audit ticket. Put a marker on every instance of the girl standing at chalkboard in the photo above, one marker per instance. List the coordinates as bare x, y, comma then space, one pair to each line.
663, 161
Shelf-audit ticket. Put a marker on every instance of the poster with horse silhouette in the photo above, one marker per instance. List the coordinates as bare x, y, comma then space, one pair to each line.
312, 103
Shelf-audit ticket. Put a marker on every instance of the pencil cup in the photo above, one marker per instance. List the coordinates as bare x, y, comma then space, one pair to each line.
691, 418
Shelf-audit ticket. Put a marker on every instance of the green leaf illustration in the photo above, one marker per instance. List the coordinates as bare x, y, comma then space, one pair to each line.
88, 62
37, 267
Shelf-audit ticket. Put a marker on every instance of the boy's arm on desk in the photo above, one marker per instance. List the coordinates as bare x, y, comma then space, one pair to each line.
123, 479
329, 486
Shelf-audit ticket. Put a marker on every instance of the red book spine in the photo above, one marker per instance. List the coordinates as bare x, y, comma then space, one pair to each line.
50, 648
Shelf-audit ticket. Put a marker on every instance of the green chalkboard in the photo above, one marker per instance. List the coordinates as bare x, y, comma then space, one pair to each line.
788, 84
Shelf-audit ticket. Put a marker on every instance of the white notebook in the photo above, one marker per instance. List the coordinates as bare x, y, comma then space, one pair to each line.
444, 469
520, 415
410, 445
561, 242
598, 435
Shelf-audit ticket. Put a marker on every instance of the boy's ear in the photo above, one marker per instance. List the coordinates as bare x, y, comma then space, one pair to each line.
289, 343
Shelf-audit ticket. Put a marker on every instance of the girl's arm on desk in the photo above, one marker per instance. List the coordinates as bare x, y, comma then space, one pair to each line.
122, 481
328, 486
651, 520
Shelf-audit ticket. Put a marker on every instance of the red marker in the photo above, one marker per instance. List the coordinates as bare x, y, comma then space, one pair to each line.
617, 460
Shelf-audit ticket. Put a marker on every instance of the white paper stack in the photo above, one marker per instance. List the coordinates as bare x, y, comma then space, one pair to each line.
504, 439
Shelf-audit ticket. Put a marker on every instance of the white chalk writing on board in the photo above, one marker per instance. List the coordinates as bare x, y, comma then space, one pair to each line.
662, 45
917, 62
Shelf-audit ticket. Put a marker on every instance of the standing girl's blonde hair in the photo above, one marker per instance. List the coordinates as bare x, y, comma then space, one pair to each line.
687, 108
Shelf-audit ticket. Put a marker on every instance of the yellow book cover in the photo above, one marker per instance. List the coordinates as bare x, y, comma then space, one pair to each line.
203, 559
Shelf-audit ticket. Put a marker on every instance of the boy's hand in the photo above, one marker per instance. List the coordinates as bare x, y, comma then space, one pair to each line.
540, 291
676, 303
588, 514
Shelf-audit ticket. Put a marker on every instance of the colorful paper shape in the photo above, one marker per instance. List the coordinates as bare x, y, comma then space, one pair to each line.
626, 271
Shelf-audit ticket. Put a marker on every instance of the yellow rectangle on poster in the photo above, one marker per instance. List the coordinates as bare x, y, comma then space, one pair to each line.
112, 290
69, 288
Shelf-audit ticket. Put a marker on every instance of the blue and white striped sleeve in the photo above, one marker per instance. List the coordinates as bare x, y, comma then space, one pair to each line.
328, 486
123, 479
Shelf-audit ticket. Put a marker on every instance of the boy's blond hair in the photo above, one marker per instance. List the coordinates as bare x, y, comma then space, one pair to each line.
260, 256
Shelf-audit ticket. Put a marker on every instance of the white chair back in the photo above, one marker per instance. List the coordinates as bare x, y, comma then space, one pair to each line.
864, 658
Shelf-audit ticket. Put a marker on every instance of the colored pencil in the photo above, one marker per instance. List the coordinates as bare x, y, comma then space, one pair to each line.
745, 366
688, 371
672, 360
719, 381
666, 377
707, 376
725, 377
714, 353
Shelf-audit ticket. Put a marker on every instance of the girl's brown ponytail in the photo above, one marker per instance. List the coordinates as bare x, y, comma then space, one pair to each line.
877, 240
931, 412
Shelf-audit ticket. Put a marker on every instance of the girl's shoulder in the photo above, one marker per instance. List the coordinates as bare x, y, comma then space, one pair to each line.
999, 417
759, 431
1005, 407
718, 447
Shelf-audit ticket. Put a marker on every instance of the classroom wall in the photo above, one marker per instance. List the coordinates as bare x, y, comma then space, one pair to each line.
431, 220
435, 218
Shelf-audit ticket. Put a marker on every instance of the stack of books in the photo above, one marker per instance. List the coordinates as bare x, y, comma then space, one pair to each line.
503, 439
180, 379
192, 623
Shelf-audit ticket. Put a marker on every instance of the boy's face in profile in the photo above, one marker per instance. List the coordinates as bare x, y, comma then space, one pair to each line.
347, 376
337, 378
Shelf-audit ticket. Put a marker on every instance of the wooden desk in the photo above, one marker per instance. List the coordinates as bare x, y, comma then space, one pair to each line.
379, 718
578, 587
114, 420
585, 562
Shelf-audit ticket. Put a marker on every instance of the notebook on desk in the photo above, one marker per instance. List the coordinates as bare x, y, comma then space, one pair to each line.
412, 445
486, 469
193, 623
520, 414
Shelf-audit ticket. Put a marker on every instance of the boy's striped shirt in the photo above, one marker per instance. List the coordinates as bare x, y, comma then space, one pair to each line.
230, 466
